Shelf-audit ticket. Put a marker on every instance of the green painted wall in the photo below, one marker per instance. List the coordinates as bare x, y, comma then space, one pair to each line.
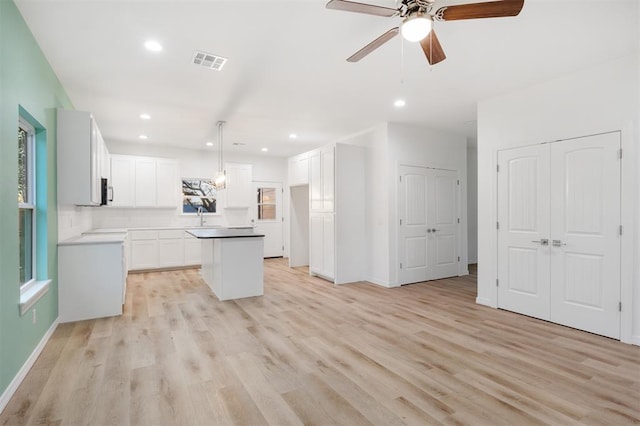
26, 81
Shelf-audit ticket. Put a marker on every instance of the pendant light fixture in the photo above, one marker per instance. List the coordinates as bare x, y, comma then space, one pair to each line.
221, 178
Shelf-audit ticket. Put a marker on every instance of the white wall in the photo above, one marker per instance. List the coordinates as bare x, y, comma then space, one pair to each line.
595, 100
418, 146
388, 146
377, 195
472, 203
192, 163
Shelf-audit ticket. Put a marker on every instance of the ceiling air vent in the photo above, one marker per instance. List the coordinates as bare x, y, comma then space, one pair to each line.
208, 60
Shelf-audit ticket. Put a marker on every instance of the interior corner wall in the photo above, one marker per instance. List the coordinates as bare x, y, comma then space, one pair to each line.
375, 141
600, 99
418, 146
26, 80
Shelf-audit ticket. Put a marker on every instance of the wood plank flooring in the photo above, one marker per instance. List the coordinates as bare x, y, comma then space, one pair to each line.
309, 352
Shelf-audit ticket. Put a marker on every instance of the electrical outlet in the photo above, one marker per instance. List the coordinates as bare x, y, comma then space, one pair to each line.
33, 316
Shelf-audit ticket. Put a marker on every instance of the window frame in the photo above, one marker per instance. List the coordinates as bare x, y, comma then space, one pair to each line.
215, 199
35, 288
30, 202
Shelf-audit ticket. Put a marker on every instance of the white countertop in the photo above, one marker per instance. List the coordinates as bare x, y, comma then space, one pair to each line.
223, 233
105, 238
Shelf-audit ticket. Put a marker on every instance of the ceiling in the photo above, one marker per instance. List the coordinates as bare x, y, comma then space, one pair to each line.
286, 70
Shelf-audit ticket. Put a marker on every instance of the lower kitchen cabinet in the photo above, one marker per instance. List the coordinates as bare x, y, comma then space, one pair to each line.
170, 248
322, 251
163, 248
92, 278
144, 249
192, 250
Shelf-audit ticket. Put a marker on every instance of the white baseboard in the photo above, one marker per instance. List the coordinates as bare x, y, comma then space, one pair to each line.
635, 340
17, 380
484, 301
385, 284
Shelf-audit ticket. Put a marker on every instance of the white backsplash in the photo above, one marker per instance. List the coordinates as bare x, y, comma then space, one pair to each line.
74, 220
111, 217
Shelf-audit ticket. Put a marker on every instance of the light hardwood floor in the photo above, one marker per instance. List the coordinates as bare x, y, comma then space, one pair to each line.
309, 352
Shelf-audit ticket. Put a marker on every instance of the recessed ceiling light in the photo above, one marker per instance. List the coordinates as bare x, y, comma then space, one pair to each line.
264, 149
399, 103
145, 116
292, 136
143, 137
209, 144
153, 46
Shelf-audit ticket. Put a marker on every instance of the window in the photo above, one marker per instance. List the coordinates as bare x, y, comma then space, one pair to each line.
32, 211
26, 201
198, 194
266, 204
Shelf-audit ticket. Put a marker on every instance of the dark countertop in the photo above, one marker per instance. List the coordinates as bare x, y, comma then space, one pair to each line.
224, 233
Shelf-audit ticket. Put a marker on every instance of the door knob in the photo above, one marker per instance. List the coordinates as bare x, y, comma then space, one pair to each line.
542, 241
434, 230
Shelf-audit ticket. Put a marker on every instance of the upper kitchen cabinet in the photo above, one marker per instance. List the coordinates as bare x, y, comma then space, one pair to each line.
299, 170
321, 179
238, 187
144, 181
82, 156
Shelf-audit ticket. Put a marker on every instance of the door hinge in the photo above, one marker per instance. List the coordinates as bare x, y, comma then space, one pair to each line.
400, 265
620, 153
620, 230
283, 218
497, 167
282, 248
400, 178
400, 222
458, 181
497, 285
497, 225
458, 258
620, 306
458, 220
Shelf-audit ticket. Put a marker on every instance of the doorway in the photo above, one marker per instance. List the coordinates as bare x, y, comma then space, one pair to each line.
559, 232
428, 224
267, 216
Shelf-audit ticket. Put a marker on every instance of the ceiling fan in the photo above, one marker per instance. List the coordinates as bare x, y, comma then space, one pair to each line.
417, 19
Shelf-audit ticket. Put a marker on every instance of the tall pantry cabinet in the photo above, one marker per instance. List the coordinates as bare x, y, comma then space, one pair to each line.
336, 213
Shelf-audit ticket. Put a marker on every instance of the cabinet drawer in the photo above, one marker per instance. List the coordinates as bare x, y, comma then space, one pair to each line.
170, 234
143, 235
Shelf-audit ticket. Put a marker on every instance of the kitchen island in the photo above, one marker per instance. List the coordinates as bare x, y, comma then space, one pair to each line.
232, 261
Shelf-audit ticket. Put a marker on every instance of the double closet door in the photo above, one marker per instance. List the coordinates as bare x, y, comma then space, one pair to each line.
428, 227
559, 232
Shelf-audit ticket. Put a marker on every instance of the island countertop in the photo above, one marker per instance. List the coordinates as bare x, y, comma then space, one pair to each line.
223, 233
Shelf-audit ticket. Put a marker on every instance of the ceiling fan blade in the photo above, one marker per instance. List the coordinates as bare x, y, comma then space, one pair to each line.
432, 48
491, 9
374, 45
352, 6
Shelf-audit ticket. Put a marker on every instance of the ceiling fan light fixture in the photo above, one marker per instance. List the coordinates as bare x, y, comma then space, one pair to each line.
415, 27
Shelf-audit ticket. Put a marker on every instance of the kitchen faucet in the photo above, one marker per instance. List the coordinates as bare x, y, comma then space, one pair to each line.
200, 213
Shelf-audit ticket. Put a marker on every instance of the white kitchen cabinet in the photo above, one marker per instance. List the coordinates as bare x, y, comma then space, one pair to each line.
80, 147
238, 190
336, 225
299, 170
170, 248
321, 179
144, 249
322, 249
192, 250
166, 182
91, 277
144, 181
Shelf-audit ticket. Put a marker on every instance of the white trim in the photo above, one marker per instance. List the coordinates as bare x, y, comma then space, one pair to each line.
17, 380
31, 292
635, 340
485, 301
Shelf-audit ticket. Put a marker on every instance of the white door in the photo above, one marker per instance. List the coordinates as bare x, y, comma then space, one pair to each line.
443, 217
428, 228
523, 234
558, 236
585, 239
267, 216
